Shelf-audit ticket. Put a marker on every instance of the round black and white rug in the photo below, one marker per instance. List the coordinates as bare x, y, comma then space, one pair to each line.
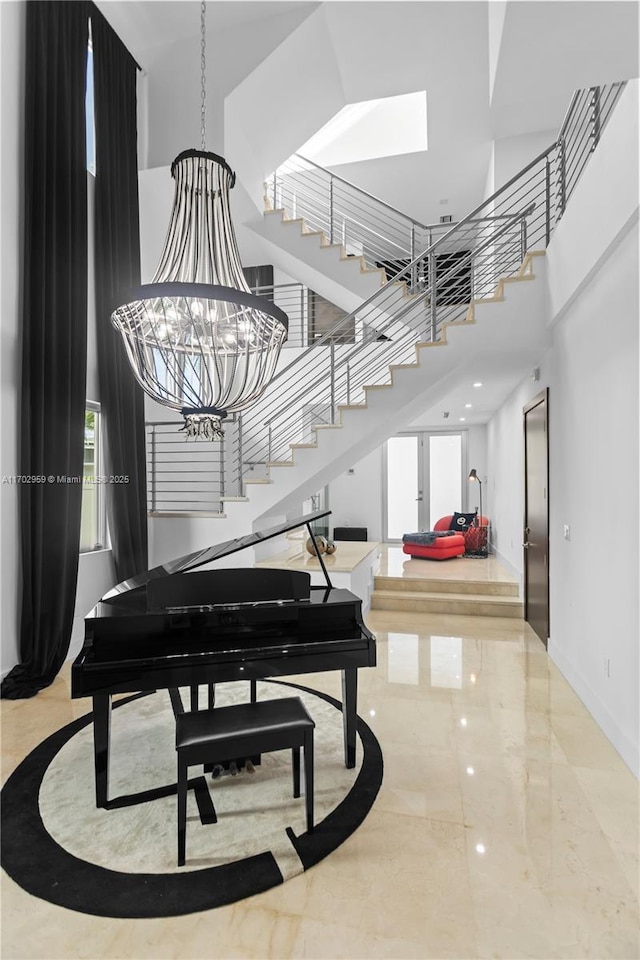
121, 862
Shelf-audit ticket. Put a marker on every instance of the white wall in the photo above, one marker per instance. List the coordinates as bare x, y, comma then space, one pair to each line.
497, 11
357, 499
511, 154
173, 77
594, 489
12, 38
592, 374
505, 482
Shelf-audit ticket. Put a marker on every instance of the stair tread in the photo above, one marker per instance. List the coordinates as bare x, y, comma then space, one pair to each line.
402, 584
423, 595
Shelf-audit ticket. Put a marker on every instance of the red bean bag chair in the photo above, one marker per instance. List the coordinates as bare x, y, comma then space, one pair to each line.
443, 548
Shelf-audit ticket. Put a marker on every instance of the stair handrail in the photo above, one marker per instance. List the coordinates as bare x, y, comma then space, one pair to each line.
513, 218
454, 228
471, 217
519, 178
538, 197
366, 193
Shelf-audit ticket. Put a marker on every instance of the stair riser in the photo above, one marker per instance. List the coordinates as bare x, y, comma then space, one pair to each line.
458, 606
403, 585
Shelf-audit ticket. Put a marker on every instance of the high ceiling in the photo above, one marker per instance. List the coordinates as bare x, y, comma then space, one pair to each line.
277, 70
146, 24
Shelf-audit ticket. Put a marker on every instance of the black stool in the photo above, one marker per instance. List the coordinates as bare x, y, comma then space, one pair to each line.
243, 730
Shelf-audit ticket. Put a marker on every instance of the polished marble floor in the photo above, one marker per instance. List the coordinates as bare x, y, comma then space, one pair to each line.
395, 563
506, 826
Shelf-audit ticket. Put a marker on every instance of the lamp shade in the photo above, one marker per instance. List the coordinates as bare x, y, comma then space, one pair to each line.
197, 339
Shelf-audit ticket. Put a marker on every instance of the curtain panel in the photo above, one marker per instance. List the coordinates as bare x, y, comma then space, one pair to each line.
54, 334
117, 270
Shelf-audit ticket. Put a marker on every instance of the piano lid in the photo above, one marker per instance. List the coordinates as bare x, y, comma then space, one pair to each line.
197, 559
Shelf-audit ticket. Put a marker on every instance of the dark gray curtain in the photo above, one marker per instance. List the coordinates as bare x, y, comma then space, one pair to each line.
117, 270
54, 329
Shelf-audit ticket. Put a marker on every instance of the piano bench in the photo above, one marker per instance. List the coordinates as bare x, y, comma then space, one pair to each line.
243, 730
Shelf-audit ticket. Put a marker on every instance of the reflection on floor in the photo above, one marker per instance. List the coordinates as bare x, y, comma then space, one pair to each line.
506, 826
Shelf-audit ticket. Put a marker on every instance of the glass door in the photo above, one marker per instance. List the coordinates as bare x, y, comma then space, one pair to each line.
423, 481
403, 487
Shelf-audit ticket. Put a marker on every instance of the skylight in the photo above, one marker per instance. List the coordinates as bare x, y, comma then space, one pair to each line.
371, 129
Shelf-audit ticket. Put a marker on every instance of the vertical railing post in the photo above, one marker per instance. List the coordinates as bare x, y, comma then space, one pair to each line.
547, 193
348, 384
269, 445
412, 256
222, 471
595, 117
275, 188
433, 333
330, 209
523, 239
562, 175
240, 454
303, 326
332, 360
153, 468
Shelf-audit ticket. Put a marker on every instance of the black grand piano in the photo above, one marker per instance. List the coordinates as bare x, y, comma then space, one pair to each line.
170, 627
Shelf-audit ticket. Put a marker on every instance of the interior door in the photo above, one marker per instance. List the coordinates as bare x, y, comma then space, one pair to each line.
536, 518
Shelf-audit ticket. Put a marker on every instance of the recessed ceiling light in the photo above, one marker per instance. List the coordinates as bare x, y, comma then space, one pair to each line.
477, 384
468, 406
462, 419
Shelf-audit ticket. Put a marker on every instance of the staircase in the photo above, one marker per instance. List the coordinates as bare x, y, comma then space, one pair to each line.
479, 598
472, 292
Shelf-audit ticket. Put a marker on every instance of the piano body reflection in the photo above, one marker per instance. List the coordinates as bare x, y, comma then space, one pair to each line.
171, 627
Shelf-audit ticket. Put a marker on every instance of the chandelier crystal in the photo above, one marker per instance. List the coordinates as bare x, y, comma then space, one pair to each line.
197, 339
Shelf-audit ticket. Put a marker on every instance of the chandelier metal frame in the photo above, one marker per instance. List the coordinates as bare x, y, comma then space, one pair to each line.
198, 340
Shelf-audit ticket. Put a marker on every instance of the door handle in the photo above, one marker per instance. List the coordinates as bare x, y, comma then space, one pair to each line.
418, 498
528, 544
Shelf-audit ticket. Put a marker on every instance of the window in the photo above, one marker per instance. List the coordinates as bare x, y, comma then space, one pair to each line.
93, 523
89, 120
370, 129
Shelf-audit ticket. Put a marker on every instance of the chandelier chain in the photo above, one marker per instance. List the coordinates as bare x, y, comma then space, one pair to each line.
203, 76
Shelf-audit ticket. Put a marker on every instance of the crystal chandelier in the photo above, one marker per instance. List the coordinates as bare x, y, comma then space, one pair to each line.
197, 339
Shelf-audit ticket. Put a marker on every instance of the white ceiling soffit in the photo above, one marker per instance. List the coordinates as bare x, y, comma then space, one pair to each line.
146, 24
390, 126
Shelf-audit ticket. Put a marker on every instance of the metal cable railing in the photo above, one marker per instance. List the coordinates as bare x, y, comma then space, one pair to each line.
435, 272
310, 314
363, 224
184, 479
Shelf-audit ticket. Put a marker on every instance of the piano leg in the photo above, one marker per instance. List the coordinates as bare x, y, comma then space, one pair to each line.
349, 704
101, 736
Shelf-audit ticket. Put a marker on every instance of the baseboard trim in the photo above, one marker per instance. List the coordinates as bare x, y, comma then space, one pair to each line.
620, 740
